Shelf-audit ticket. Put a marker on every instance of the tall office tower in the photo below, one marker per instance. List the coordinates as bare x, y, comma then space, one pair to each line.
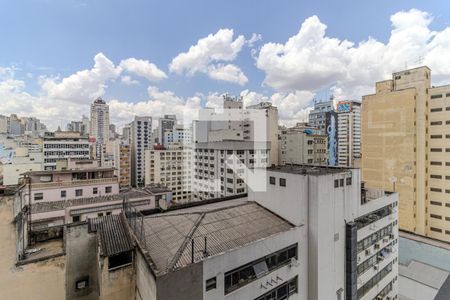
62, 145
166, 123
99, 120
405, 146
171, 168
352, 231
126, 134
303, 147
317, 117
221, 168
349, 133
141, 133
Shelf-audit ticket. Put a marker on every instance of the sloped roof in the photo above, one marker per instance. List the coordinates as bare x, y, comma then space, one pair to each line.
168, 238
113, 235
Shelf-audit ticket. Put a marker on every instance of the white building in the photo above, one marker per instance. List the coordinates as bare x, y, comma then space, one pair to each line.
141, 133
221, 168
349, 133
99, 128
22, 161
352, 232
63, 145
317, 117
171, 168
80, 126
178, 136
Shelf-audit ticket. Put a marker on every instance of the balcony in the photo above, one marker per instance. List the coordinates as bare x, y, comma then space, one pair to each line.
74, 183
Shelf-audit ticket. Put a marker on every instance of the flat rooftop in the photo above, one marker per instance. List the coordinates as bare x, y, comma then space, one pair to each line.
306, 169
226, 226
68, 171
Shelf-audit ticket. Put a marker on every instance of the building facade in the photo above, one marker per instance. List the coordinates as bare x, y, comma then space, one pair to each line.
166, 123
62, 145
141, 135
303, 147
99, 128
171, 168
317, 117
349, 133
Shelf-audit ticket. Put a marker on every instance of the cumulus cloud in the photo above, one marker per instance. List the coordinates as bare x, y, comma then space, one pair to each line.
127, 80
310, 60
143, 68
207, 55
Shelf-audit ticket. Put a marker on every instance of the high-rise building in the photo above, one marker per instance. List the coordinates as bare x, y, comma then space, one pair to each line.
171, 168
405, 139
99, 128
303, 147
352, 231
165, 124
123, 151
62, 145
317, 117
221, 168
178, 136
126, 134
141, 133
349, 133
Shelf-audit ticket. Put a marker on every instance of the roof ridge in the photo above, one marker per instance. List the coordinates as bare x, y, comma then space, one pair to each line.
185, 242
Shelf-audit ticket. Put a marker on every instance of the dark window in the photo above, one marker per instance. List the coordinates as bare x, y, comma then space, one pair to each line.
341, 182
436, 176
120, 260
63, 194
436, 123
436, 163
436, 109
436, 136
108, 189
75, 219
436, 150
243, 275
82, 283
348, 181
78, 193
436, 96
211, 284
436, 203
336, 183
38, 196
436, 216
282, 182
436, 229
95, 191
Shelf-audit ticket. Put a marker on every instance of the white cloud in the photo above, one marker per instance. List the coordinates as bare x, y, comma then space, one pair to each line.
127, 80
229, 73
206, 57
84, 85
310, 60
256, 37
143, 68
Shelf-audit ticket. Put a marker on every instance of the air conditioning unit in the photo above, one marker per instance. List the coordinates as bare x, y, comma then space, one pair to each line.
368, 251
294, 262
377, 246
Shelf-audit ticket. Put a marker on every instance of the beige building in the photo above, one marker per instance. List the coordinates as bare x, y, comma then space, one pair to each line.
405, 141
171, 168
299, 147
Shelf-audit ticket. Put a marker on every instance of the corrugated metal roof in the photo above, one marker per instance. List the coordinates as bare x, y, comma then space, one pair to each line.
113, 235
169, 237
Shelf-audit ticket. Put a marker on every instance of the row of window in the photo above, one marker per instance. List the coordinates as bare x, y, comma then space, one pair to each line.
438, 203
374, 280
374, 259
439, 190
438, 96
340, 182
439, 177
243, 275
439, 163
439, 136
374, 238
438, 109
439, 230
440, 149
78, 193
272, 180
282, 291
435, 123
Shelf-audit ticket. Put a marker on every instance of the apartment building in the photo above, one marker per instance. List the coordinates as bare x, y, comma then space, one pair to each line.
171, 168
82, 126
164, 124
178, 136
404, 146
221, 168
352, 231
123, 152
99, 127
349, 133
61, 145
317, 117
141, 135
303, 147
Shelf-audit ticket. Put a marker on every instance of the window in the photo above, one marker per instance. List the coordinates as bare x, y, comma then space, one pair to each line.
436, 216
211, 284
282, 291
336, 183
341, 182
348, 181
120, 260
95, 191
436, 109
243, 275
436, 229
282, 182
436, 123
108, 189
63, 194
100, 215
38, 196
75, 219
436, 203
82, 283
436, 96
78, 193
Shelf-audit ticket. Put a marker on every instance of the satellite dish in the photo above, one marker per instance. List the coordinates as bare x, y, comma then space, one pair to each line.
163, 204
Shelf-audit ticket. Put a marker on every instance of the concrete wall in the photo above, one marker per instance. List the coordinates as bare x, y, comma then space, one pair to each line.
186, 283
218, 265
41, 281
145, 281
118, 284
81, 253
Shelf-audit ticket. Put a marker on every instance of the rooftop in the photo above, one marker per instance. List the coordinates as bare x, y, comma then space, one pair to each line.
308, 169
169, 236
113, 234
48, 172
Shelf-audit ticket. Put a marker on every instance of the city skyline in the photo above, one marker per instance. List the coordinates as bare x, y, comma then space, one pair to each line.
309, 55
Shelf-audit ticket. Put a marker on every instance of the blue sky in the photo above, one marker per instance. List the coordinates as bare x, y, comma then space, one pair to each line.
59, 38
